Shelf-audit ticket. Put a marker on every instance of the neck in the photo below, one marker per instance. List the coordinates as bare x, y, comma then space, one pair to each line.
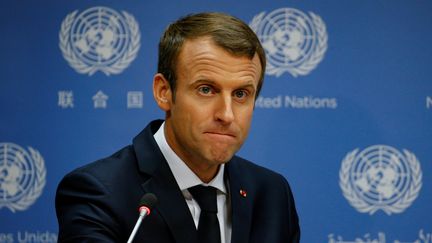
205, 173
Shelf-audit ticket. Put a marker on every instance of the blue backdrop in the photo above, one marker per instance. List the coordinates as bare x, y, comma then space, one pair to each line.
345, 113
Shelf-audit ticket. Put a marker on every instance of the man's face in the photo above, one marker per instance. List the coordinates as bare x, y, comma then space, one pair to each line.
210, 117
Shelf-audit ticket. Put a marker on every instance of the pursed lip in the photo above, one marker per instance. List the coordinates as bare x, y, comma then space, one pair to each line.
220, 134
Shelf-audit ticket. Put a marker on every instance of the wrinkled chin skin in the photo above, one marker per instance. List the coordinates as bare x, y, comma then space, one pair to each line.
222, 151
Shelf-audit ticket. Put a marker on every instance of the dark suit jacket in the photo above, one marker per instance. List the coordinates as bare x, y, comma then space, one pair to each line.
98, 202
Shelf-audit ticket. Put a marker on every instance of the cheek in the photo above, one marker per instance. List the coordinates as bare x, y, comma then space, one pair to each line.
244, 118
189, 120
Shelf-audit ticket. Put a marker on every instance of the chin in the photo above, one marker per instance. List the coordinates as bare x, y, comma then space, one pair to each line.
221, 158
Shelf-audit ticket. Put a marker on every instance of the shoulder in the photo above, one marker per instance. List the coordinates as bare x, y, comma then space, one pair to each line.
93, 196
125, 157
106, 174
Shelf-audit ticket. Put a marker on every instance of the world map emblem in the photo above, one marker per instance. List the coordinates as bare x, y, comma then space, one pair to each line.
293, 41
22, 176
99, 39
380, 178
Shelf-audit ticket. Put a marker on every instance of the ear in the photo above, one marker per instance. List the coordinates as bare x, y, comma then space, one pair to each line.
162, 92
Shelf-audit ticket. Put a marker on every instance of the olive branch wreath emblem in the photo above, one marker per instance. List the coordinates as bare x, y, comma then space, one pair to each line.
310, 63
35, 190
361, 205
115, 68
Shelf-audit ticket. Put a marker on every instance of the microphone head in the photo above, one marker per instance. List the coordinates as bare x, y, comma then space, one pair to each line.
148, 200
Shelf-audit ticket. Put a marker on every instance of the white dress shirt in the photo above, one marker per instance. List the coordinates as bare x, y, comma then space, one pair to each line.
186, 178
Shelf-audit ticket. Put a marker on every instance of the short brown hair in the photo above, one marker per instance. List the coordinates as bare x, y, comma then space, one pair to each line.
228, 32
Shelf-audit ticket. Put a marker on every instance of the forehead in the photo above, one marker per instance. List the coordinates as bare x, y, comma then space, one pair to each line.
203, 53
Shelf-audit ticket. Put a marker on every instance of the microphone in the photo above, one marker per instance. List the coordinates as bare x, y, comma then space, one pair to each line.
146, 204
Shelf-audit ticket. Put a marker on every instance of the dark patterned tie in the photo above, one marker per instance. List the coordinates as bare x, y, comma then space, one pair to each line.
208, 225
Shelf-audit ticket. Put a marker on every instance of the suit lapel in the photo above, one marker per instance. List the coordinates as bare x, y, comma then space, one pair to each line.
241, 203
172, 206
171, 203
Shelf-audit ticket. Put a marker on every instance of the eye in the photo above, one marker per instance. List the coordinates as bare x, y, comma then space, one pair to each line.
240, 94
205, 90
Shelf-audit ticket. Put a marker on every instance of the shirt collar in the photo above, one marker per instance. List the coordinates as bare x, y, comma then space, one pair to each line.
183, 175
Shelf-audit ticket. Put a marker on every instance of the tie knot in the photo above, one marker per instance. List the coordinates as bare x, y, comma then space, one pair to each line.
206, 197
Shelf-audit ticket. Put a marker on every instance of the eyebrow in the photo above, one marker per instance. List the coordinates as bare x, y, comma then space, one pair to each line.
214, 83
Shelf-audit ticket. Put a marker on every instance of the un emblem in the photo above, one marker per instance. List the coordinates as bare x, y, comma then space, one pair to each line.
293, 41
22, 176
380, 178
99, 39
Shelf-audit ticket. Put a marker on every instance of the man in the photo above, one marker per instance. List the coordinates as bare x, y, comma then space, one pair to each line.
210, 71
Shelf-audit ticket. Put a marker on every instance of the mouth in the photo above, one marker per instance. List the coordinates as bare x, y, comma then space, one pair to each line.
220, 135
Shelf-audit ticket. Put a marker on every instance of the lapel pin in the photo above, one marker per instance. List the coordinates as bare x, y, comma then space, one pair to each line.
243, 193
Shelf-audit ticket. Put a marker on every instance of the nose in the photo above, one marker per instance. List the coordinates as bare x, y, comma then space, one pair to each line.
224, 110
